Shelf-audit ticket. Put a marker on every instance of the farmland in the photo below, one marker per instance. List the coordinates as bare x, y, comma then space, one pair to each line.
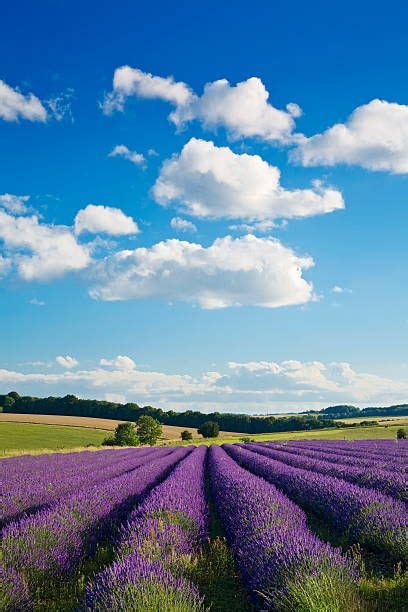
35, 432
166, 528
42, 433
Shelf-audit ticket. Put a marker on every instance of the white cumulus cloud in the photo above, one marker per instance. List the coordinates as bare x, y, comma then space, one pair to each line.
121, 362
243, 109
67, 361
230, 272
41, 251
122, 151
375, 136
14, 105
182, 225
104, 219
129, 81
209, 181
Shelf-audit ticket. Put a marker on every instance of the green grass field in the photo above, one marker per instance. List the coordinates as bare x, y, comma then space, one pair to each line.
15, 438
356, 433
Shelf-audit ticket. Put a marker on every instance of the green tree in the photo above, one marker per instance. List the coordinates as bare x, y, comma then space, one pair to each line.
186, 435
209, 429
14, 395
8, 402
401, 434
125, 435
148, 430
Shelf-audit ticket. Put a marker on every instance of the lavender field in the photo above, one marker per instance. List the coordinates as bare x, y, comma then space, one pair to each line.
317, 526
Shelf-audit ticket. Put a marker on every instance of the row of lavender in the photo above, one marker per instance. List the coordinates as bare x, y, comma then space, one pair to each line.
279, 558
369, 476
387, 452
25, 487
50, 544
351, 456
362, 515
169, 526
281, 561
390, 447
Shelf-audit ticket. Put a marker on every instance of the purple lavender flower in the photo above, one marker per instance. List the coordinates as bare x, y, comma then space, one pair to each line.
136, 585
343, 456
171, 522
14, 594
274, 548
395, 485
27, 487
52, 542
364, 515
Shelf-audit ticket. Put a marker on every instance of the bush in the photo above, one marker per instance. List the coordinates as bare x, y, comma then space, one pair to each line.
125, 435
148, 430
110, 441
209, 429
246, 439
186, 435
401, 434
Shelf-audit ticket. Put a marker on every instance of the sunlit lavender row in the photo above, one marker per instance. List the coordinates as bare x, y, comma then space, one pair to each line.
141, 529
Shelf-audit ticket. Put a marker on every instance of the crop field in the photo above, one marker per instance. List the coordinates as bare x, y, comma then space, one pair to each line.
33, 432
306, 526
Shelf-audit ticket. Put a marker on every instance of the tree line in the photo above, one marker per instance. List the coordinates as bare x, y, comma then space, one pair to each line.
70, 405
345, 411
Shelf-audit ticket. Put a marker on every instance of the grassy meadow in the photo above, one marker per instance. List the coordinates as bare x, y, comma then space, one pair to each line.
42, 433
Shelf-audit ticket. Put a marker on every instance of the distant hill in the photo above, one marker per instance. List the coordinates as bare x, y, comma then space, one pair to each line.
347, 411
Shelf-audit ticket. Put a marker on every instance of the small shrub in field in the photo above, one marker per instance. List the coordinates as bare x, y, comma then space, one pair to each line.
246, 439
186, 435
401, 434
209, 429
125, 435
109, 441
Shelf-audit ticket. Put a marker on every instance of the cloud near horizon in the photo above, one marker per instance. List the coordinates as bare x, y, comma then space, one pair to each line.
252, 387
66, 361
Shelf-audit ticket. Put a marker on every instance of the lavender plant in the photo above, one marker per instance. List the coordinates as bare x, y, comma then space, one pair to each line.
155, 543
25, 492
51, 543
395, 485
279, 558
364, 515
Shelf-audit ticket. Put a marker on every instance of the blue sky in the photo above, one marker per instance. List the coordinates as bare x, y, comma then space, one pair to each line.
205, 248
